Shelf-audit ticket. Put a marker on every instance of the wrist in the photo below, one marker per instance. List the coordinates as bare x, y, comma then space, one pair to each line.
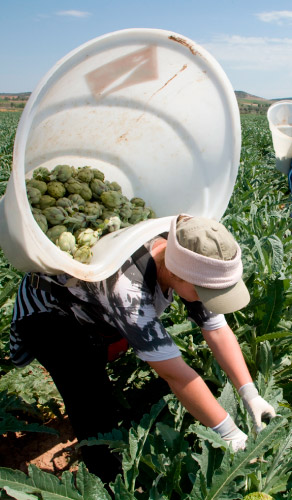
248, 391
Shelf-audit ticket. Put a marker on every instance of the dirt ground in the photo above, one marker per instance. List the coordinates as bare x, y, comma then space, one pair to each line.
51, 453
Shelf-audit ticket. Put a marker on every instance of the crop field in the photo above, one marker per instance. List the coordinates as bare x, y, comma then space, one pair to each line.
165, 454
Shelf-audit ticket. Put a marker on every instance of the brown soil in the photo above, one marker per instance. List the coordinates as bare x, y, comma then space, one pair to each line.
51, 453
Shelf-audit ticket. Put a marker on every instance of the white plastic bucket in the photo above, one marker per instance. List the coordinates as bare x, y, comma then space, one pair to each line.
151, 109
280, 122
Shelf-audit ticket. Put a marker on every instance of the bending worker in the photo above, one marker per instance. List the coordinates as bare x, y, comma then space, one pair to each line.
68, 329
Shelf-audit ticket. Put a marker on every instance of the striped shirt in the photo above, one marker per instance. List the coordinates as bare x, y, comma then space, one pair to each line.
124, 301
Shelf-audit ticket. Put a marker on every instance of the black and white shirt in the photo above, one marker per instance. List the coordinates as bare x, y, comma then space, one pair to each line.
124, 301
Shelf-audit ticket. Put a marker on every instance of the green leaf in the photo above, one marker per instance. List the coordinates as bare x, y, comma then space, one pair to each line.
241, 464
228, 400
278, 253
89, 485
19, 495
120, 490
207, 434
273, 306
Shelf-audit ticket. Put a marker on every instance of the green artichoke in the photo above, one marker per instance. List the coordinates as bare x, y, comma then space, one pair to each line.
40, 185
138, 202
41, 221
257, 496
114, 186
46, 201
77, 201
97, 174
97, 187
111, 199
55, 215
113, 224
66, 242
65, 203
92, 208
125, 211
61, 173
139, 214
73, 185
54, 232
41, 174
107, 214
88, 237
56, 189
34, 195
85, 174
83, 254
85, 191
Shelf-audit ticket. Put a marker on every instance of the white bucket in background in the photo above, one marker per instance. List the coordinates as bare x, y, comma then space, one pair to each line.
280, 123
151, 109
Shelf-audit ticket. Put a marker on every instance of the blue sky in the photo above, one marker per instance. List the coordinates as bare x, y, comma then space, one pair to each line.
251, 39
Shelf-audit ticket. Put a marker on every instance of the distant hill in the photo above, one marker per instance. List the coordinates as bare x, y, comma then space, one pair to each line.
247, 103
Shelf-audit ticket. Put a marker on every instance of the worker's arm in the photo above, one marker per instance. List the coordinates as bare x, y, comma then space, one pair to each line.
227, 352
191, 390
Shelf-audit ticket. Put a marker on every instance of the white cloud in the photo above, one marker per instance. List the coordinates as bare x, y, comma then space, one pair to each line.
73, 13
276, 16
252, 53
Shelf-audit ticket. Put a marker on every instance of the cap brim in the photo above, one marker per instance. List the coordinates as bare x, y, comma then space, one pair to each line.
224, 300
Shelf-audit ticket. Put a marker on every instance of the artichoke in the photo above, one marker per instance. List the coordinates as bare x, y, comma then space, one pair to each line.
88, 237
125, 211
138, 202
152, 214
97, 174
61, 173
83, 254
66, 242
77, 201
85, 192
139, 214
41, 221
257, 496
114, 186
111, 199
85, 174
97, 187
55, 215
54, 232
73, 185
41, 174
92, 208
113, 224
107, 214
40, 185
56, 189
46, 201
65, 203
34, 195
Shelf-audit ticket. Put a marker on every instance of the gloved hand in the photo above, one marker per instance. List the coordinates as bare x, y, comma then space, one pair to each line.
256, 406
229, 431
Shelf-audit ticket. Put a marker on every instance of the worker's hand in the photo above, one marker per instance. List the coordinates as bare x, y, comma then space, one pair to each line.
256, 406
229, 431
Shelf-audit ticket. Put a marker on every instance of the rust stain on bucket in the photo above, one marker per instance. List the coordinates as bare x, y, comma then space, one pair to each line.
184, 42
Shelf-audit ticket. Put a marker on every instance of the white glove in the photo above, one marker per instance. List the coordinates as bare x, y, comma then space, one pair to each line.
229, 431
256, 406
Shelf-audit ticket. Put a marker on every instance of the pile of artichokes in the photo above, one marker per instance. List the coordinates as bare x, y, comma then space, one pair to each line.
75, 207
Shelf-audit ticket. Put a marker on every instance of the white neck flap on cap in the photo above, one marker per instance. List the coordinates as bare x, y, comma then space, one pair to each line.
198, 269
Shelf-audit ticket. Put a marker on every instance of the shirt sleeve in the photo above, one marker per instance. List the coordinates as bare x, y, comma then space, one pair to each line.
203, 317
214, 321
